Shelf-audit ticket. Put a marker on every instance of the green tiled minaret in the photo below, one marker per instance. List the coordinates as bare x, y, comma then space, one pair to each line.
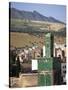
45, 64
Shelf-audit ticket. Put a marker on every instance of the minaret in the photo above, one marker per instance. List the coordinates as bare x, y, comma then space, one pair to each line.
49, 45
45, 63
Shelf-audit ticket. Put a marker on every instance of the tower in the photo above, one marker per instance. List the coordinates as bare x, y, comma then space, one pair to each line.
45, 64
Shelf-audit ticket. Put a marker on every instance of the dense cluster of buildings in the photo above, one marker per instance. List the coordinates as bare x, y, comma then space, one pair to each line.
28, 53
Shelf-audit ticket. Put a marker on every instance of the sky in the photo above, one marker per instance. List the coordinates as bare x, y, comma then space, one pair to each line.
49, 10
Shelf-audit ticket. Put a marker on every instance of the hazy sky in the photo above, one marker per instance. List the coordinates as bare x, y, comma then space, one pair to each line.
56, 11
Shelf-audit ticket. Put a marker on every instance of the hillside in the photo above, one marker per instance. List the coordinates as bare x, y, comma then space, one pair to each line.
34, 26
25, 39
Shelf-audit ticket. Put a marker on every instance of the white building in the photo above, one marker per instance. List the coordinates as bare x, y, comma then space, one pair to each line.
59, 49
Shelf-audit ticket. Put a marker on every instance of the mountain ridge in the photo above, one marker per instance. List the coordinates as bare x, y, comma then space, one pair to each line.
34, 15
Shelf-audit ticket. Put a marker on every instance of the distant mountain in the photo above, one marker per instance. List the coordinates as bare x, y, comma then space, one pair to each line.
17, 14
